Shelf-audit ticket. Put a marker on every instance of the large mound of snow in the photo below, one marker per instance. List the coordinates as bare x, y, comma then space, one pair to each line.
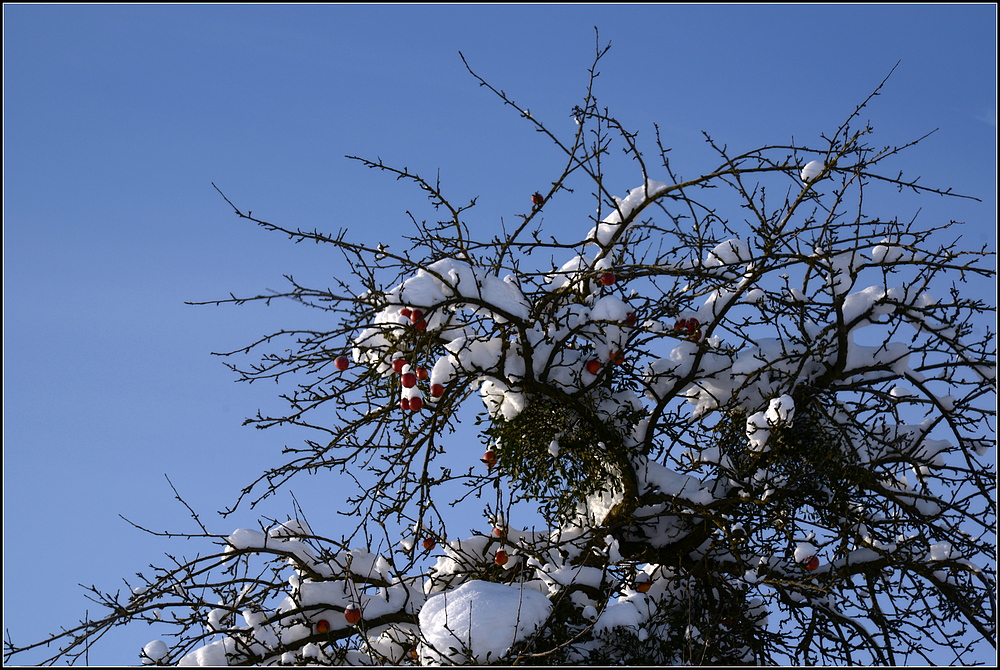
479, 621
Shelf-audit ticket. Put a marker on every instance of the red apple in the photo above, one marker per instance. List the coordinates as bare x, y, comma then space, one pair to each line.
500, 558
537, 198
322, 626
642, 583
420, 325
408, 380
490, 458
437, 390
429, 543
500, 532
617, 357
608, 278
416, 315
422, 373
342, 363
416, 404
593, 366
352, 614
398, 364
682, 324
405, 312
811, 563
404, 403
631, 319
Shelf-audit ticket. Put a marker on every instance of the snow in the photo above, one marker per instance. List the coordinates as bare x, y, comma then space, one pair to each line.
478, 622
781, 410
604, 232
811, 170
211, 654
155, 650
940, 551
244, 538
730, 252
804, 550
625, 613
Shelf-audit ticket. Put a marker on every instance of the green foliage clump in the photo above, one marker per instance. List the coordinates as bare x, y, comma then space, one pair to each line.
810, 455
556, 453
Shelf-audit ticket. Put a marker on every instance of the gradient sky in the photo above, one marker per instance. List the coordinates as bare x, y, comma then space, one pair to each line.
117, 118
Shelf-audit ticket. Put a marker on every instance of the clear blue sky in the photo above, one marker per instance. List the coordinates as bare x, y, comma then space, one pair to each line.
117, 118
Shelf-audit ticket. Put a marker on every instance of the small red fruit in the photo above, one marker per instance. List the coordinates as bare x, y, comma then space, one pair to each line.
408, 380
429, 543
593, 366
682, 324
501, 558
398, 364
405, 312
811, 563
420, 325
608, 278
490, 458
404, 403
537, 198
342, 363
422, 373
437, 390
416, 404
631, 319
500, 532
617, 357
642, 583
352, 614
416, 315
322, 626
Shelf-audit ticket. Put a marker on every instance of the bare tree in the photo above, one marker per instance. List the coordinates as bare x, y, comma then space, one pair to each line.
752, 417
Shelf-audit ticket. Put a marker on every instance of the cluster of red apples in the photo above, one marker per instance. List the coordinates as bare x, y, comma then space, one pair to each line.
352, 613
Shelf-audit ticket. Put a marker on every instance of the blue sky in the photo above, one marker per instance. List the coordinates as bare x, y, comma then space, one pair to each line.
118, 118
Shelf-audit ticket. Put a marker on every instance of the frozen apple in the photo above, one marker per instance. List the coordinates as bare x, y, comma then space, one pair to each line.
608, 278
537, 198
501, 558
429, 543
352, 614
642, 583
342, 363
422, 373
322, 626
398, 365
593, 366
404, 403
490, 458
811, 563
437, 390
408, 380
416, 404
